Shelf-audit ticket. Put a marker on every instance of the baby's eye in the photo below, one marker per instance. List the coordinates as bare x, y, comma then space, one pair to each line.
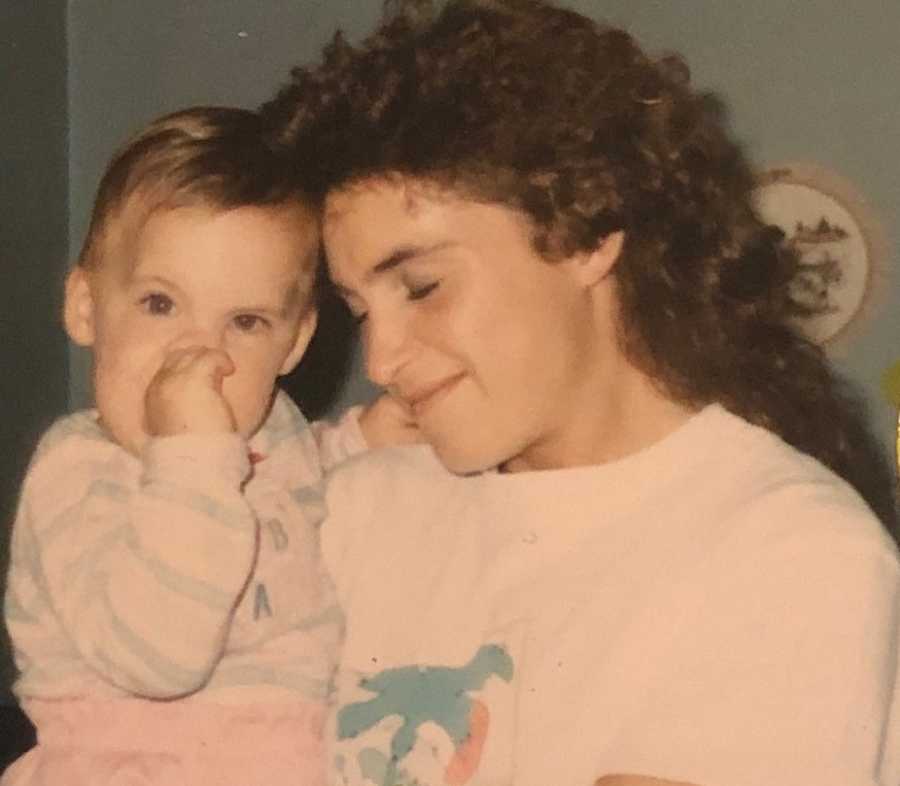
420, 291
250, 323
157, 304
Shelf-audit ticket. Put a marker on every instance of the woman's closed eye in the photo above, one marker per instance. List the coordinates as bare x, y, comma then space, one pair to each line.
421, 291
157, 304
413, 292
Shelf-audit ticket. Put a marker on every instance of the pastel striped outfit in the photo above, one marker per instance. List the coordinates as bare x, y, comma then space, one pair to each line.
170, 617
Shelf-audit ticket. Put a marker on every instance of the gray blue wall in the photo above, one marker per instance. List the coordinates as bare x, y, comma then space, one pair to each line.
33, 240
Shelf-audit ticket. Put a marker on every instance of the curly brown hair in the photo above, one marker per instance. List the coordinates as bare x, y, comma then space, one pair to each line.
536, 107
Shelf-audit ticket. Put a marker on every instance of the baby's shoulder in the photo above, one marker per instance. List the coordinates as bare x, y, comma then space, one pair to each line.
73, 446
80, 429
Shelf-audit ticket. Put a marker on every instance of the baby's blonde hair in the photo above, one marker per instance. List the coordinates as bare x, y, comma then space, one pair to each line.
212, 156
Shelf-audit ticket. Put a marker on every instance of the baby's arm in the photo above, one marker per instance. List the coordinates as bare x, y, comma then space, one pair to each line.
386, 421
383, 422
145, 562
140, 575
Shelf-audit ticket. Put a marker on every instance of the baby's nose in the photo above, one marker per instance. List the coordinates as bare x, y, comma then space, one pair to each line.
208, 337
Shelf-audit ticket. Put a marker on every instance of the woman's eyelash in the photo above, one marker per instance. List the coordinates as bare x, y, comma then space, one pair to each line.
419, 292
413, 292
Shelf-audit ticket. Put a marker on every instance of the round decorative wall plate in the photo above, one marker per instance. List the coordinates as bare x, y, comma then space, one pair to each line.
839, 240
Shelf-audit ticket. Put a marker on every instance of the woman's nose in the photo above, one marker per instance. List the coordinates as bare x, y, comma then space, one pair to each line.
387, 348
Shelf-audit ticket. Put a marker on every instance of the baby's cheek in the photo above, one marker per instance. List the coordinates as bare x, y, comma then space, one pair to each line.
121, 412
249, 396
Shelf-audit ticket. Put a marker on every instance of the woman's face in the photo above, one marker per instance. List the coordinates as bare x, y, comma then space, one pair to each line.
496, 351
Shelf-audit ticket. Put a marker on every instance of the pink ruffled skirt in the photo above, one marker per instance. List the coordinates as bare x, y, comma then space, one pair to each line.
180, 743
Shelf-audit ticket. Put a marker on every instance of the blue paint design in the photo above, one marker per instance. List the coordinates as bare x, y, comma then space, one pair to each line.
261, 602
375, 766
419, 695
280, 538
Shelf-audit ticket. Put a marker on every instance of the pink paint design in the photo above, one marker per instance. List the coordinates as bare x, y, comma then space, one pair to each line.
467, 757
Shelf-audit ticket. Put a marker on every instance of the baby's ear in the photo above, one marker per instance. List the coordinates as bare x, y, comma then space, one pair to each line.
304, 336
78, 310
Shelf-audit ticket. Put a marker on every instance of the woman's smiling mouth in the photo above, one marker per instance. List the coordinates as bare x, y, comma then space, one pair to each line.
428, 395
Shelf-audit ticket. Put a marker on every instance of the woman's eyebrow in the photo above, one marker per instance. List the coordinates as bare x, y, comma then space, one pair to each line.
401, 255
391, 262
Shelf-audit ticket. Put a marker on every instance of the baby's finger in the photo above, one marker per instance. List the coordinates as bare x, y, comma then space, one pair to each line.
203, 361
180, 359
214, 364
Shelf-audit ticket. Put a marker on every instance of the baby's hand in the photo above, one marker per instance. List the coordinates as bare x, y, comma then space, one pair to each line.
185, 395
388, 422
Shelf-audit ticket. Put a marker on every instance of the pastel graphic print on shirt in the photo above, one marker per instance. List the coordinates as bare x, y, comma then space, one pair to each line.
421, 724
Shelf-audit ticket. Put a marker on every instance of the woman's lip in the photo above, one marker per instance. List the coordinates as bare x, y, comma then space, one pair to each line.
423, 399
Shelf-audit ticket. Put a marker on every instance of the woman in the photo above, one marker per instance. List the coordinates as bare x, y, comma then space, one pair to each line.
637, 549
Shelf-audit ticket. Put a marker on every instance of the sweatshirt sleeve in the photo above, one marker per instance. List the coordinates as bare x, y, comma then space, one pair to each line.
141, 567
339, 440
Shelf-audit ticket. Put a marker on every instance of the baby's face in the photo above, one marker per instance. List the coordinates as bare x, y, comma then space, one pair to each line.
239, 280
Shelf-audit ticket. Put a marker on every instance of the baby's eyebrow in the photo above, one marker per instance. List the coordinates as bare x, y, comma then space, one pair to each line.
136, 278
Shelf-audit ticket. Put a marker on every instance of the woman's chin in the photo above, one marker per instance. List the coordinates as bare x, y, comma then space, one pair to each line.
464, 457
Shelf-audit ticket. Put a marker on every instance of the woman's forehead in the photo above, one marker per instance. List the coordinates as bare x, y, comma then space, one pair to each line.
406, 193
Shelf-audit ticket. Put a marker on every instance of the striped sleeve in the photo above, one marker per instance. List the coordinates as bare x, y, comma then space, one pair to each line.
142, 565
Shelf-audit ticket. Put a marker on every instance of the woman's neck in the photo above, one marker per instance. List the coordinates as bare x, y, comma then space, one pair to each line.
618, 413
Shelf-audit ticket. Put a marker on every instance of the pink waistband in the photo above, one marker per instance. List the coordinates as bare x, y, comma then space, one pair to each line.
182, 726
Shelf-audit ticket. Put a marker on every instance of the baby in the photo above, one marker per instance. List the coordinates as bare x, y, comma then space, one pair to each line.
169, 614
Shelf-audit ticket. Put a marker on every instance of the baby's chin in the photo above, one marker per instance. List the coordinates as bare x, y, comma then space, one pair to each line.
129, 439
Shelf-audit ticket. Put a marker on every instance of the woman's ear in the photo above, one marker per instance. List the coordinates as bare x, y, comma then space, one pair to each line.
304, 336
596, 265
78, 308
